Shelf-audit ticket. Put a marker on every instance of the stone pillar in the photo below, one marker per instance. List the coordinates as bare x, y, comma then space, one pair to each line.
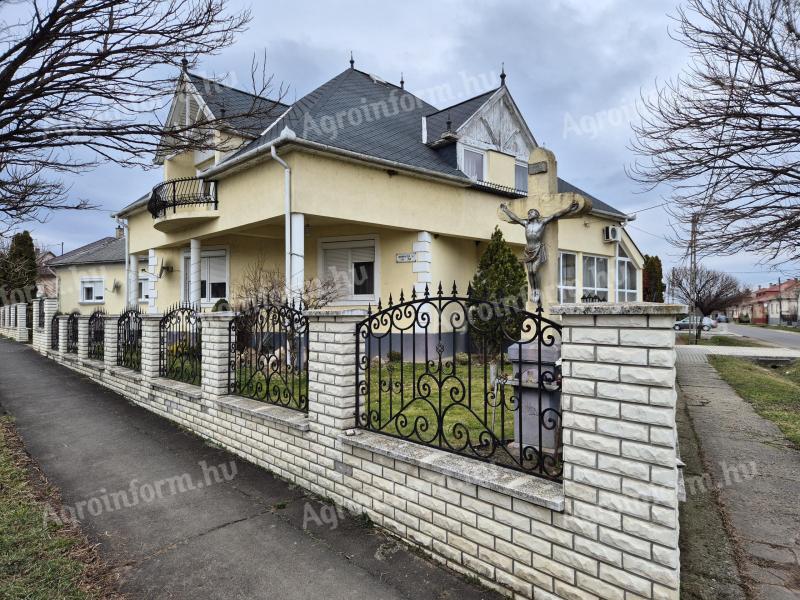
332, 370
150, 347
50, 310
194, 272
215, 353
21, 333
110, 347
83, 336
63, 326
37, 331
620, 465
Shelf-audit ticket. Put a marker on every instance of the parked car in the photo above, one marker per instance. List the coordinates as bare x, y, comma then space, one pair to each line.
722, 318
691, 323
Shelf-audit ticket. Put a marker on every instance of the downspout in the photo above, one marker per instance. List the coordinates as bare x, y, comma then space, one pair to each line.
287, 202
124, 224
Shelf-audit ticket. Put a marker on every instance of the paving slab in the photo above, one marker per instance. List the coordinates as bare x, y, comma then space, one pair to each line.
216, 527
756, 477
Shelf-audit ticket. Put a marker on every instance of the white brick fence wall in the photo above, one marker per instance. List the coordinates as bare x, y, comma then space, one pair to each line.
609, 531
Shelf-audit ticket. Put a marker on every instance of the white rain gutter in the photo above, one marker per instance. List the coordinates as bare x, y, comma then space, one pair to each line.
287, 207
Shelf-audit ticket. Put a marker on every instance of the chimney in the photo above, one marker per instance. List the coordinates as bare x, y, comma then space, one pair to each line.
120, 232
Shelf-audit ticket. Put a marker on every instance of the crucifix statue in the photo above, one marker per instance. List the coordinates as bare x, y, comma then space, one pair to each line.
535, 252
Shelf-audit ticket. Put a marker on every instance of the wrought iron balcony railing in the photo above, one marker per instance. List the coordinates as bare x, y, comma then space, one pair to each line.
187, 191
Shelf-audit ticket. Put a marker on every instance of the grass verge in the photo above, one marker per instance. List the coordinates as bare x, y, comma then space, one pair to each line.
684, 339
774, 393
40, 558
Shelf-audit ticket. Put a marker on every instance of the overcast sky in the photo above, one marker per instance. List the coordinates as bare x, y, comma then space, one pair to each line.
576, 69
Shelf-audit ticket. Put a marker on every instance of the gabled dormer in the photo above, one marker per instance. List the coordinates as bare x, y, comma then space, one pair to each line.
486, 137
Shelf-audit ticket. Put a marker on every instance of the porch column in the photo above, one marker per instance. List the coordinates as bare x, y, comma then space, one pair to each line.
194, 272
133, 281
297, 255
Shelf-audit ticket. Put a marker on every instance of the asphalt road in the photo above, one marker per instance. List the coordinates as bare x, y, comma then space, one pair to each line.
784, 339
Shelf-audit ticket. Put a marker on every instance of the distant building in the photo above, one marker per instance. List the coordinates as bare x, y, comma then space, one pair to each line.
46, 281
774, 304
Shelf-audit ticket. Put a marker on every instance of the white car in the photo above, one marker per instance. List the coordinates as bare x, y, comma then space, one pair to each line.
691, 323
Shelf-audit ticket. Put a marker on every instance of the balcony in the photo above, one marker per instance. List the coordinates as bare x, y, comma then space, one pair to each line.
176, 203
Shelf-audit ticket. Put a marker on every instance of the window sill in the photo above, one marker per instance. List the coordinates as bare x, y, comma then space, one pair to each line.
542, 492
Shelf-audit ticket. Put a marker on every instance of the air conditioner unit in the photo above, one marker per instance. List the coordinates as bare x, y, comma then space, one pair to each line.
611, 234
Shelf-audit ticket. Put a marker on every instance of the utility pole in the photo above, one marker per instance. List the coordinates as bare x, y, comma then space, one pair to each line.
693, 274
780, 304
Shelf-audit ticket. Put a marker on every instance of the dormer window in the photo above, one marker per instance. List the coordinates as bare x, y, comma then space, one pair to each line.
472, 164
521, 176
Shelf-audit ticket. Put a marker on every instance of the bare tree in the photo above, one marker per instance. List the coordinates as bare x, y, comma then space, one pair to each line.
714, 290
83, 82
725, 134
262, 283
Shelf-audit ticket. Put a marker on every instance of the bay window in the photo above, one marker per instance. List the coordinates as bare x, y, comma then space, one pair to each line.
595, 277
567, 287
626, 277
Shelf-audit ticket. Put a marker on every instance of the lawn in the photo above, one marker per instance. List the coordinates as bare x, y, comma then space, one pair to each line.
287, 387
684, 339
38, 559
774, 393
409, 402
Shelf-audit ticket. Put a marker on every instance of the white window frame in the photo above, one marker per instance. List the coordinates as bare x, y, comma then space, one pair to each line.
85, 281
595, 290
523, 165
626, 290
144, 297
362, 241
205, 253
561, 286
461, 149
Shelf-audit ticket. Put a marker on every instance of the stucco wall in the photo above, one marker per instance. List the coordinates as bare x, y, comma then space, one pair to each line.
69, 288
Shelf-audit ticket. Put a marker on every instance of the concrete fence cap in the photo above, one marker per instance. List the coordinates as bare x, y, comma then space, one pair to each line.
619, 308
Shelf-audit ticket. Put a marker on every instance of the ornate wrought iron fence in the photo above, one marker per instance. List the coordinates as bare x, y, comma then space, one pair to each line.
14, 311
268, 355
72, 334
129, 340
41, 313
54, 331
180, 344
464, 375
97, 335
186, 191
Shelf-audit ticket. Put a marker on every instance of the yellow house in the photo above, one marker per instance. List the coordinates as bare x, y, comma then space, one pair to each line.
364, 183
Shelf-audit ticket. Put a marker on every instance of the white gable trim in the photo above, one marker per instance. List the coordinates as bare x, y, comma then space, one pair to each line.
479, 117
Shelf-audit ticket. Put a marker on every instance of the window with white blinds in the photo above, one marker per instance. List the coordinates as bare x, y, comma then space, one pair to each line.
213, 276
351, 264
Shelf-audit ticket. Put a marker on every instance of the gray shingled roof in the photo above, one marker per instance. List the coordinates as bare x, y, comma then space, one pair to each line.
393, 133
238, 106
105, 250
597, 204
458, 114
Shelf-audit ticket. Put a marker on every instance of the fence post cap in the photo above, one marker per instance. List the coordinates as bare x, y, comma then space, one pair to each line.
331, 313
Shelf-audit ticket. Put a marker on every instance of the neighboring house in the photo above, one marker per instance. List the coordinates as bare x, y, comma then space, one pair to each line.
364, 182
46, 283
774, 304
93, 277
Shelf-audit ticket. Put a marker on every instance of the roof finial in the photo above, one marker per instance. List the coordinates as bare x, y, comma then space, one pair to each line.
449, 121
402, 81
184, 64
503, 74
352, 61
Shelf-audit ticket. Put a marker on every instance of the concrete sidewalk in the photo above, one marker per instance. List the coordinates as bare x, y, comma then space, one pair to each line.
756, 475
198, 522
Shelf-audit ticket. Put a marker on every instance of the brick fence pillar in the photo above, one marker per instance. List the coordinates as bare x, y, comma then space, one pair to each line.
214, 353
83, 336
50, 310
150, 347
63, 332
37, 331
21, 333
110, 347
332, 370
618, 411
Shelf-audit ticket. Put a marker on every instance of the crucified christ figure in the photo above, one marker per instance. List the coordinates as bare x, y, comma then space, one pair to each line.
535, 253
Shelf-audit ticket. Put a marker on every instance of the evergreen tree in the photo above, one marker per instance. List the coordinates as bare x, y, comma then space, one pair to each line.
653, 280
500, 274
500, 279
19, 264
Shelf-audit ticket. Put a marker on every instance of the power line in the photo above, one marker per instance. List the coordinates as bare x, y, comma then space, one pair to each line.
648, 208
